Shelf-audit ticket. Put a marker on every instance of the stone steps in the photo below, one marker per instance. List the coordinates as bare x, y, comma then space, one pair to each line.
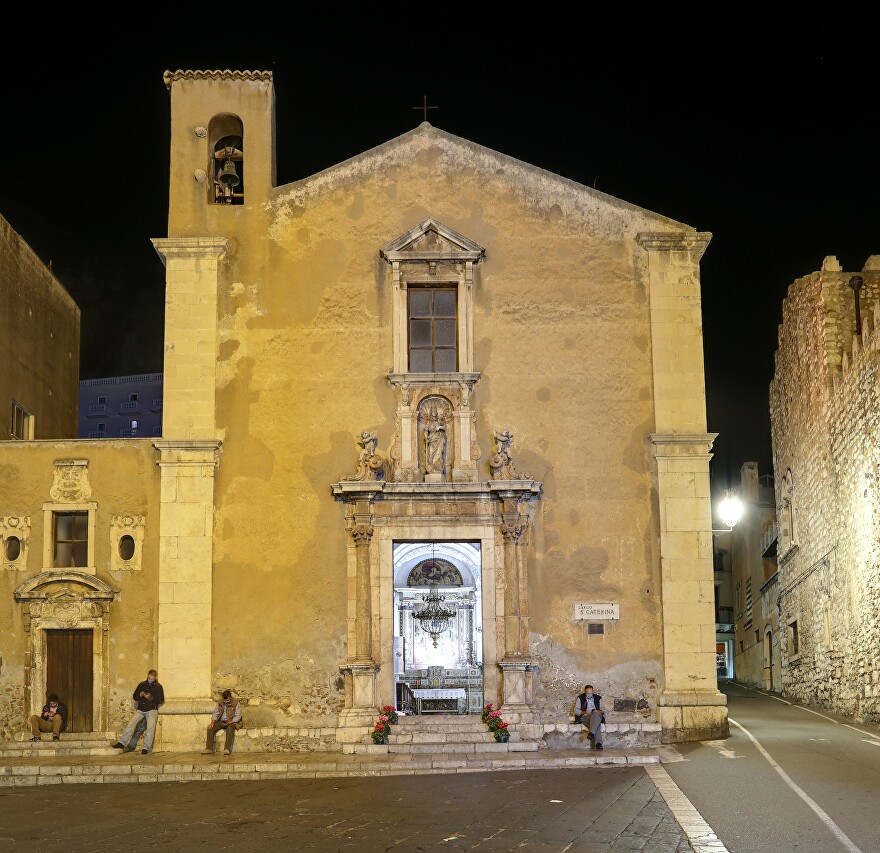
191, 767
70, 743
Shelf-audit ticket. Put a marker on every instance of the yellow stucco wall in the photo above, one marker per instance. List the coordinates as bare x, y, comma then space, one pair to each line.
562, 340
124, 481
39, 342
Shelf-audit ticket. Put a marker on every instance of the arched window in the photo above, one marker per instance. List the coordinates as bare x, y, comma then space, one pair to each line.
226, 138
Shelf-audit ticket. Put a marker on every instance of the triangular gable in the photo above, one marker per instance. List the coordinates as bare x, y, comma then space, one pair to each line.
431, 241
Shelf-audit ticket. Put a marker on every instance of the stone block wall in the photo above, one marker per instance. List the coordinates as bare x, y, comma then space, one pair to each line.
825, 408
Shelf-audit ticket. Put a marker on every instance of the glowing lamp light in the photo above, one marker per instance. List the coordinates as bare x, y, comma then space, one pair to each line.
730, 509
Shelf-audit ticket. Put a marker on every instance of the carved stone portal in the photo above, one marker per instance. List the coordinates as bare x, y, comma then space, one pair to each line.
64, 600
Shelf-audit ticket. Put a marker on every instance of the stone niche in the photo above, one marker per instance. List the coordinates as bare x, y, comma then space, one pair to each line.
436, 437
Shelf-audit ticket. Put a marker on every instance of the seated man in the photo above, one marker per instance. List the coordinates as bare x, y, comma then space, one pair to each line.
588, 710
53, 718
226, 716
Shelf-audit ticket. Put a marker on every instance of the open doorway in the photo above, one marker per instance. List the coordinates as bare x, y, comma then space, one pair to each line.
438, 665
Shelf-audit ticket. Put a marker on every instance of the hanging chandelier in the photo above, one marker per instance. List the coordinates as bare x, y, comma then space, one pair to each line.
432, 616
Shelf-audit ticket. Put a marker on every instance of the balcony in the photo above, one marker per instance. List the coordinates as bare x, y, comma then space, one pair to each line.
768, 541
156, 407
157, 432
98, 434
130, 407
97, 410
128, 433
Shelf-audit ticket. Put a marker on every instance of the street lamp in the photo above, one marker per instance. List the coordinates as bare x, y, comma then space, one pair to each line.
730, 509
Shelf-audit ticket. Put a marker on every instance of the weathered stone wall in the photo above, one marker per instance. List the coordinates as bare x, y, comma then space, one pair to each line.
824, 416
124, 480
39, 341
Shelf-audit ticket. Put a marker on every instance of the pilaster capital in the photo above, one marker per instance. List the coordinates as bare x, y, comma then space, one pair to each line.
670, 241
512, 531
361, 534
190, 247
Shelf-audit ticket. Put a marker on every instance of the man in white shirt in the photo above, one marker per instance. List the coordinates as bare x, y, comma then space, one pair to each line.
226, 716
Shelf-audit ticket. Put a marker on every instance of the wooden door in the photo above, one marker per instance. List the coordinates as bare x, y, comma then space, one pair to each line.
69, 674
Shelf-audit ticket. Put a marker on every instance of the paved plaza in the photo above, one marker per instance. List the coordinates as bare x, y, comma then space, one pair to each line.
590, 810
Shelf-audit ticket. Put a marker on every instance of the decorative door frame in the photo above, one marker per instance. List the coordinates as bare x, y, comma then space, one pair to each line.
66, 600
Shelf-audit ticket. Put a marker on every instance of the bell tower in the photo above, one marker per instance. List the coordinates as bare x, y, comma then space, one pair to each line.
222, 171
222, 149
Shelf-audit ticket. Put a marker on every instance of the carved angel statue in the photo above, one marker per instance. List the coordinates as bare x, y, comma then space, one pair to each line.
501, 464
371, 463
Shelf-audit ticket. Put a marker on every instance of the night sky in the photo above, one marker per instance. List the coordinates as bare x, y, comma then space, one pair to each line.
763, 132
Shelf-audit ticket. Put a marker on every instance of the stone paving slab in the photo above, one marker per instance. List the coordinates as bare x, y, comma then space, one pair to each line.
602, 809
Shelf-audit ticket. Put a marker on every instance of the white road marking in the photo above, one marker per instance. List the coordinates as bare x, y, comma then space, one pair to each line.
808, 710
698, 832
721, 746
872, 742
555, 801
841, 836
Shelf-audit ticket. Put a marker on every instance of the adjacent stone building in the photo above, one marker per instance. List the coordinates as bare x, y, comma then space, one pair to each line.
430, 372
824, 409
755, 582
39, 346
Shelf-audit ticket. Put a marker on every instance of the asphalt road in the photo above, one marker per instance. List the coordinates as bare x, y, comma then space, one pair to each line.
752, 808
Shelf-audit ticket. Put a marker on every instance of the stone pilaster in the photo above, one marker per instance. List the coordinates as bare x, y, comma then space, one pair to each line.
189, 379
360, 670
690, 707
186, 527
517, 667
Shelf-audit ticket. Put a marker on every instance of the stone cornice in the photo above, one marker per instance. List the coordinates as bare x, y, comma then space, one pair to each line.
661, 241
433, 378
189, 247
188, 451
682, 444
170, 76
434, 491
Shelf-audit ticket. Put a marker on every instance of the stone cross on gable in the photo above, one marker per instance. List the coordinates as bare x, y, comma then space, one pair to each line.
424, 108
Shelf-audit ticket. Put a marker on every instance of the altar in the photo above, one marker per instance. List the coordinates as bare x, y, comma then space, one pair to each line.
441, 701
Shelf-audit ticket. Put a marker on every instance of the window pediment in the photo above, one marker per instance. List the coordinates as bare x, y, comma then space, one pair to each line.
432, 241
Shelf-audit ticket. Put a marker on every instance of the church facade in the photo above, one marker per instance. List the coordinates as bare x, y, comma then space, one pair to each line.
434, 435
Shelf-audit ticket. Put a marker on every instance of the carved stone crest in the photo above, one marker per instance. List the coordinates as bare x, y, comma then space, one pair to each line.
71, 484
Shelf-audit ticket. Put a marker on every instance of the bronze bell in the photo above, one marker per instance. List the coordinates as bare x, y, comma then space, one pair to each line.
228, 176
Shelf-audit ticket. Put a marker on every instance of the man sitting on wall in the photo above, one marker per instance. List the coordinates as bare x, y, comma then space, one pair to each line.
226, 716
53, 718
588, 710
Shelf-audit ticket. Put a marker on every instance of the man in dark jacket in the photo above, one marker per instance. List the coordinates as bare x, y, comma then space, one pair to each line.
53, 718
148, 696
588, 710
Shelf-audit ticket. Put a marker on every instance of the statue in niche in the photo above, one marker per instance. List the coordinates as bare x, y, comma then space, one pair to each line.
501, 464
435, 438
371, 463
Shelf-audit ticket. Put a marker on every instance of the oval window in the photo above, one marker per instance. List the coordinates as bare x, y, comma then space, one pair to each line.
126, 547
13, 548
